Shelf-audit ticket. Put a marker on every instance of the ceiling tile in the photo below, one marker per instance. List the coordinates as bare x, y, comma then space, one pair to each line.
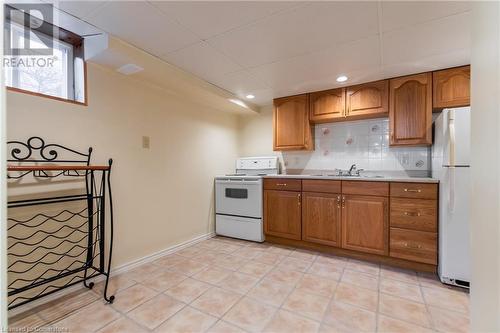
240, 83
319, 70
142, 25
297, 31
425, 40
262, 97
454, 58
398, 14
77, 8
202, 60
210, 18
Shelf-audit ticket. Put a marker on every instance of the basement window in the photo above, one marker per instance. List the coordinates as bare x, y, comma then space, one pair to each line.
46, 61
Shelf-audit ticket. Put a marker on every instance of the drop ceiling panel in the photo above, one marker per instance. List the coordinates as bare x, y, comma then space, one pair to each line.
140, 24
298, 31
454, 58
272, 49
210, 18
399, 14
415, 43
202, 60
241, 83
320, 69
78, 8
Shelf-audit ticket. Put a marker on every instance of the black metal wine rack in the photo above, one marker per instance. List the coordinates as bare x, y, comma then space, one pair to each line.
59, 240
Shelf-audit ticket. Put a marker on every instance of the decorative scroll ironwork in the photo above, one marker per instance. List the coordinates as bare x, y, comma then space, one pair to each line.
51, 251
35, 150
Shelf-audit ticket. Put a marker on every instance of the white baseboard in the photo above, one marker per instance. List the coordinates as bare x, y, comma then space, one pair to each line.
115, 271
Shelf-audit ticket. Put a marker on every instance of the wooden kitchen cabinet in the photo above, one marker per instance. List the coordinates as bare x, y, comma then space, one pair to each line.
451, 87
321, 218
395, 223
418, 246
283, 214
292, 130
367, 100
410, 110
365, 223
414, 222
327, 106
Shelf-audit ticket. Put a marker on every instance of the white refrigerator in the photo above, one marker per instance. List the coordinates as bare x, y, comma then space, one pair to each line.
451, 165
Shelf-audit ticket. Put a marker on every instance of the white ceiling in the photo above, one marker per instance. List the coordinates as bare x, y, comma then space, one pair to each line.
273, 49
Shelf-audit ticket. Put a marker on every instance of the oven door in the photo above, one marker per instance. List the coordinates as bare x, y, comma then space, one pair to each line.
239, 197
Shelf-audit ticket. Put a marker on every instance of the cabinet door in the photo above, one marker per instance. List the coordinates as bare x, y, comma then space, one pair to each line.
368, 100
321, 218
292, 130
451, 87
365, 224
327, 105
410, 110
282, 214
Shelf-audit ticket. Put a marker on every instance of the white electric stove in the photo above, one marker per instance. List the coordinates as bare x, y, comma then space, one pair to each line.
238, 198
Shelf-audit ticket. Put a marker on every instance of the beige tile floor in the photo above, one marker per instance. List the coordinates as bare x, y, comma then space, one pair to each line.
226, 285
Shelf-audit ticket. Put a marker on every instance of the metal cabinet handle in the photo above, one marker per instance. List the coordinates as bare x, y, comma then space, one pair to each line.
298, 199
338, 201
417, 246
280, 184
343, 201
412, 214
410, 190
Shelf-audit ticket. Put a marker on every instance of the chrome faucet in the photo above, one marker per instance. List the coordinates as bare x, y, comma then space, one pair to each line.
351, 169
354, 171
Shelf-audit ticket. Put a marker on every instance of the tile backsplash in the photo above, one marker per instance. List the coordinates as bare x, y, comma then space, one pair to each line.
364, 142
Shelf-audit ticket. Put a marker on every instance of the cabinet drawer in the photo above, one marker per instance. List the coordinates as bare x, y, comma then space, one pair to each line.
323, 186
416, 214
365, 188
419, 246
414, 190
283, 184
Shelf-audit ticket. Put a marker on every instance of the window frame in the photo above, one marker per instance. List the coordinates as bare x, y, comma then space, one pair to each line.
71, 78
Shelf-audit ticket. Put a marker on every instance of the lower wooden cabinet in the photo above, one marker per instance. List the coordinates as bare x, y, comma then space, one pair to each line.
419, 246
321, 218
282, 214
365, 222
396, 222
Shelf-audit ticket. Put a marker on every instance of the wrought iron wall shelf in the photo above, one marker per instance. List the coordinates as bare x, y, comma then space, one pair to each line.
57, 241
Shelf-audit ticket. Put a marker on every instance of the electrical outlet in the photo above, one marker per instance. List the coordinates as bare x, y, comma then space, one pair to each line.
145, 142
404, 159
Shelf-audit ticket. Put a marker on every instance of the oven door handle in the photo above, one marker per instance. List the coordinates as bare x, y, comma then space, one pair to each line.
238, 182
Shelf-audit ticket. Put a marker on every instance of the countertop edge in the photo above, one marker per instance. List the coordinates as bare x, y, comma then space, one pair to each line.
374, 179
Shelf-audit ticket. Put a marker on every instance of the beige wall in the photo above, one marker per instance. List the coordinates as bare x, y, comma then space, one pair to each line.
485, 162
256, 133
162, 196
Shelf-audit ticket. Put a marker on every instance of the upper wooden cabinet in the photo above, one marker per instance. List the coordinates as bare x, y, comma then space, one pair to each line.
327, 106
282, 214
451, 87
410, 110
292, 130
368, 100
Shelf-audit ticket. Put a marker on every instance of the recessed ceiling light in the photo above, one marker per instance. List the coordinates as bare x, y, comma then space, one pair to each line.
250, 96
342, 78
238, 102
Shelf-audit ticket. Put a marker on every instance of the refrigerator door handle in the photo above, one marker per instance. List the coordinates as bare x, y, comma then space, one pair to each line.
451, 190
451, 129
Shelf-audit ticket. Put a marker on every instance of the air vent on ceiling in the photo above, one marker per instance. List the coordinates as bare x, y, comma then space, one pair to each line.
129, 69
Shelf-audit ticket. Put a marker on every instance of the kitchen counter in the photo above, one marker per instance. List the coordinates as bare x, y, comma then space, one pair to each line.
367, 177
